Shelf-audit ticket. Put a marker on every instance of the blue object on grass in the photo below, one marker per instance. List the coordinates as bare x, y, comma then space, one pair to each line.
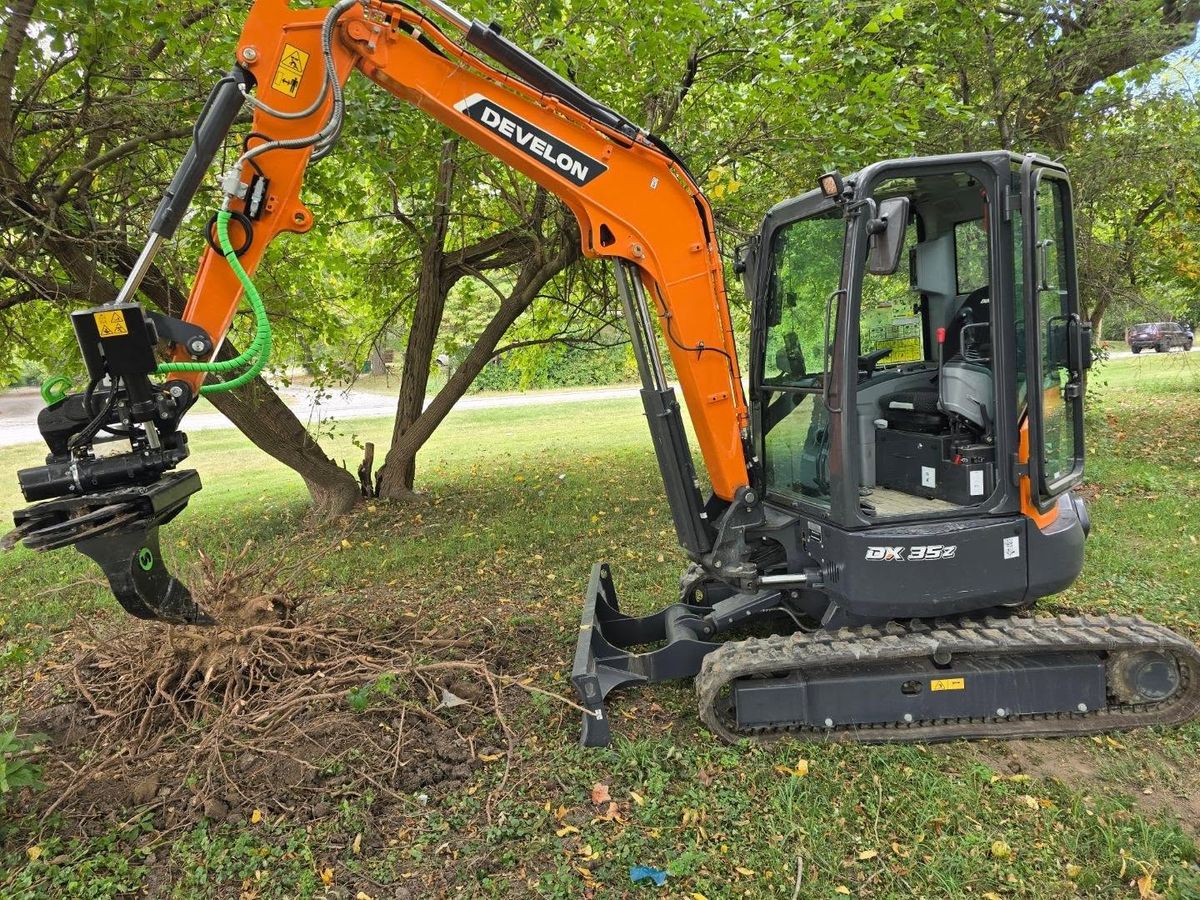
646, 873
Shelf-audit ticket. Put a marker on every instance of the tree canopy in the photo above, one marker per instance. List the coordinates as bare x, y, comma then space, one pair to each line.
428, 247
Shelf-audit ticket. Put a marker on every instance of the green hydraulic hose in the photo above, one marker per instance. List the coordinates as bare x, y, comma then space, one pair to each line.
259, 350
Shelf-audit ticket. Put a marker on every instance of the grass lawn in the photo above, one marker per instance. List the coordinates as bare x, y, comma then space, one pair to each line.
516, 504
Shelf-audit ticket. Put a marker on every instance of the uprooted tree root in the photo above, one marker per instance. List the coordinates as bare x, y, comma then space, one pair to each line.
286, 705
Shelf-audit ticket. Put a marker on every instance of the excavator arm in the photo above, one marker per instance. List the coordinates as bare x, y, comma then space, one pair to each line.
634, 200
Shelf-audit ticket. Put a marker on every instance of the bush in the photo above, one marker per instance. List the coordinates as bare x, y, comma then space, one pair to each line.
16, 771
560, 368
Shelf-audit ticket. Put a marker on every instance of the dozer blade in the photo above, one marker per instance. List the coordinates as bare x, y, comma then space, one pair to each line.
922, 682
119, 530
604, 660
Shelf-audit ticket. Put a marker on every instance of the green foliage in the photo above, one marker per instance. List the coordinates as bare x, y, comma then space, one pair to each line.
362, 697
757, 97
16, 769
559, 367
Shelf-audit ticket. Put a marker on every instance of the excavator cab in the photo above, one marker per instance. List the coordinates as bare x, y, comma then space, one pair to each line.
917, 358
900, 317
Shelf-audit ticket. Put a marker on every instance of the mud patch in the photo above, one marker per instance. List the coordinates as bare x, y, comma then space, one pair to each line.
1160, 788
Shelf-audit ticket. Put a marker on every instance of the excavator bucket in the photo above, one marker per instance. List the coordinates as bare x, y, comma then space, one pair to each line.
118, 529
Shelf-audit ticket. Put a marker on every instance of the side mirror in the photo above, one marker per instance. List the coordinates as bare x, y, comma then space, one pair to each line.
1057, 351
1081, 336
887, 236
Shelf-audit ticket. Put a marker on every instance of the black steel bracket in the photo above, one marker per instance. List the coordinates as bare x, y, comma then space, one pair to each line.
194, 339
603, 660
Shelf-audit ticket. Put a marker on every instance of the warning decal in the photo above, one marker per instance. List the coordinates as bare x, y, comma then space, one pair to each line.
947, 684
290, 70
111, 324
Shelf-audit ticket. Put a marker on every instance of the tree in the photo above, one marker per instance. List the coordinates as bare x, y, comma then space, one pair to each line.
1070, 78
86, 145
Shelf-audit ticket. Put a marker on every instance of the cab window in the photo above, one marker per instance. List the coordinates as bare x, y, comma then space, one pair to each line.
807, 269
890, 319
970, 255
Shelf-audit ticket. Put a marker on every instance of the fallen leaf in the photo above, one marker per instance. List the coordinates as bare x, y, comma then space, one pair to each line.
256, 817
800, 770
696, 895
742, 870
1029, 801
1001, 850
1073, 871
450, 700
356, 847
490, 757
362, 895
1145, 886
992, 895
560, 813
1018, 779
868, 854
600, 794
567, 829
33, 852
610, 814
842, 889
637, 798
327, 877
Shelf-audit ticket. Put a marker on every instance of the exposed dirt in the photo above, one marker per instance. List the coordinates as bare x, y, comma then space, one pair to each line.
284, 707
1172, 793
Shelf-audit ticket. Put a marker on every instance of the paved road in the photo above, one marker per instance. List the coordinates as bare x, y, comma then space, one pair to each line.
19, 407
1125, 354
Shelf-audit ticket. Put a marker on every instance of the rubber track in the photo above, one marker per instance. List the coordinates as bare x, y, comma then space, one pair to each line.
865, 647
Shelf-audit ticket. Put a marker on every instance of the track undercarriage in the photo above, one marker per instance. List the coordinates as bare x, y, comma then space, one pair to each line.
915, 681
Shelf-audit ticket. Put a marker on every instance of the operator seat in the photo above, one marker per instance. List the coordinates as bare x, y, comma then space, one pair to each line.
914, 409
966, 371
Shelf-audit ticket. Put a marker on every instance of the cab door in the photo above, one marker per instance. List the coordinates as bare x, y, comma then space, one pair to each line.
794, 385
1055, 340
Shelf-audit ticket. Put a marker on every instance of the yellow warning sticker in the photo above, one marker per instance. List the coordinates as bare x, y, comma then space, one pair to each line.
290, 70
111, 324
947, 684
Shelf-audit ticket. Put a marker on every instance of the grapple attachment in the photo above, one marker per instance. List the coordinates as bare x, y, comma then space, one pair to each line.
119, 530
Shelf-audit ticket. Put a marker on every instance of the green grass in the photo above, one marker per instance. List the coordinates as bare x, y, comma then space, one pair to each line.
516, 505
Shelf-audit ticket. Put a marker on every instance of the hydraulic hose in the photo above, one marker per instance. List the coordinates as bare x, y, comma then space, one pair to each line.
259, 350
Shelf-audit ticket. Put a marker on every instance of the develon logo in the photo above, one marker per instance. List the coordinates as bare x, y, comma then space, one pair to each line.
549, 150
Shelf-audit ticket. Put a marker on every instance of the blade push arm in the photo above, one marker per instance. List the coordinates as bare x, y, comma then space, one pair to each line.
634, 202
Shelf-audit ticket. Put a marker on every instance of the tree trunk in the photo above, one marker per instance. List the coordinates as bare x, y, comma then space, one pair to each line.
265, 419
534, 276
395, 477
378, 362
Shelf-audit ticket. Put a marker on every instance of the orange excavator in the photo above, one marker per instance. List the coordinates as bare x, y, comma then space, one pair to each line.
885, 501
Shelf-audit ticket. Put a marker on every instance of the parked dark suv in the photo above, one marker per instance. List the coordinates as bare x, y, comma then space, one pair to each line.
1162, 336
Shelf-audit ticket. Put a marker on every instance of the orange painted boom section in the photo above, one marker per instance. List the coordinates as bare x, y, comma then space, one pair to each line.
641, 207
